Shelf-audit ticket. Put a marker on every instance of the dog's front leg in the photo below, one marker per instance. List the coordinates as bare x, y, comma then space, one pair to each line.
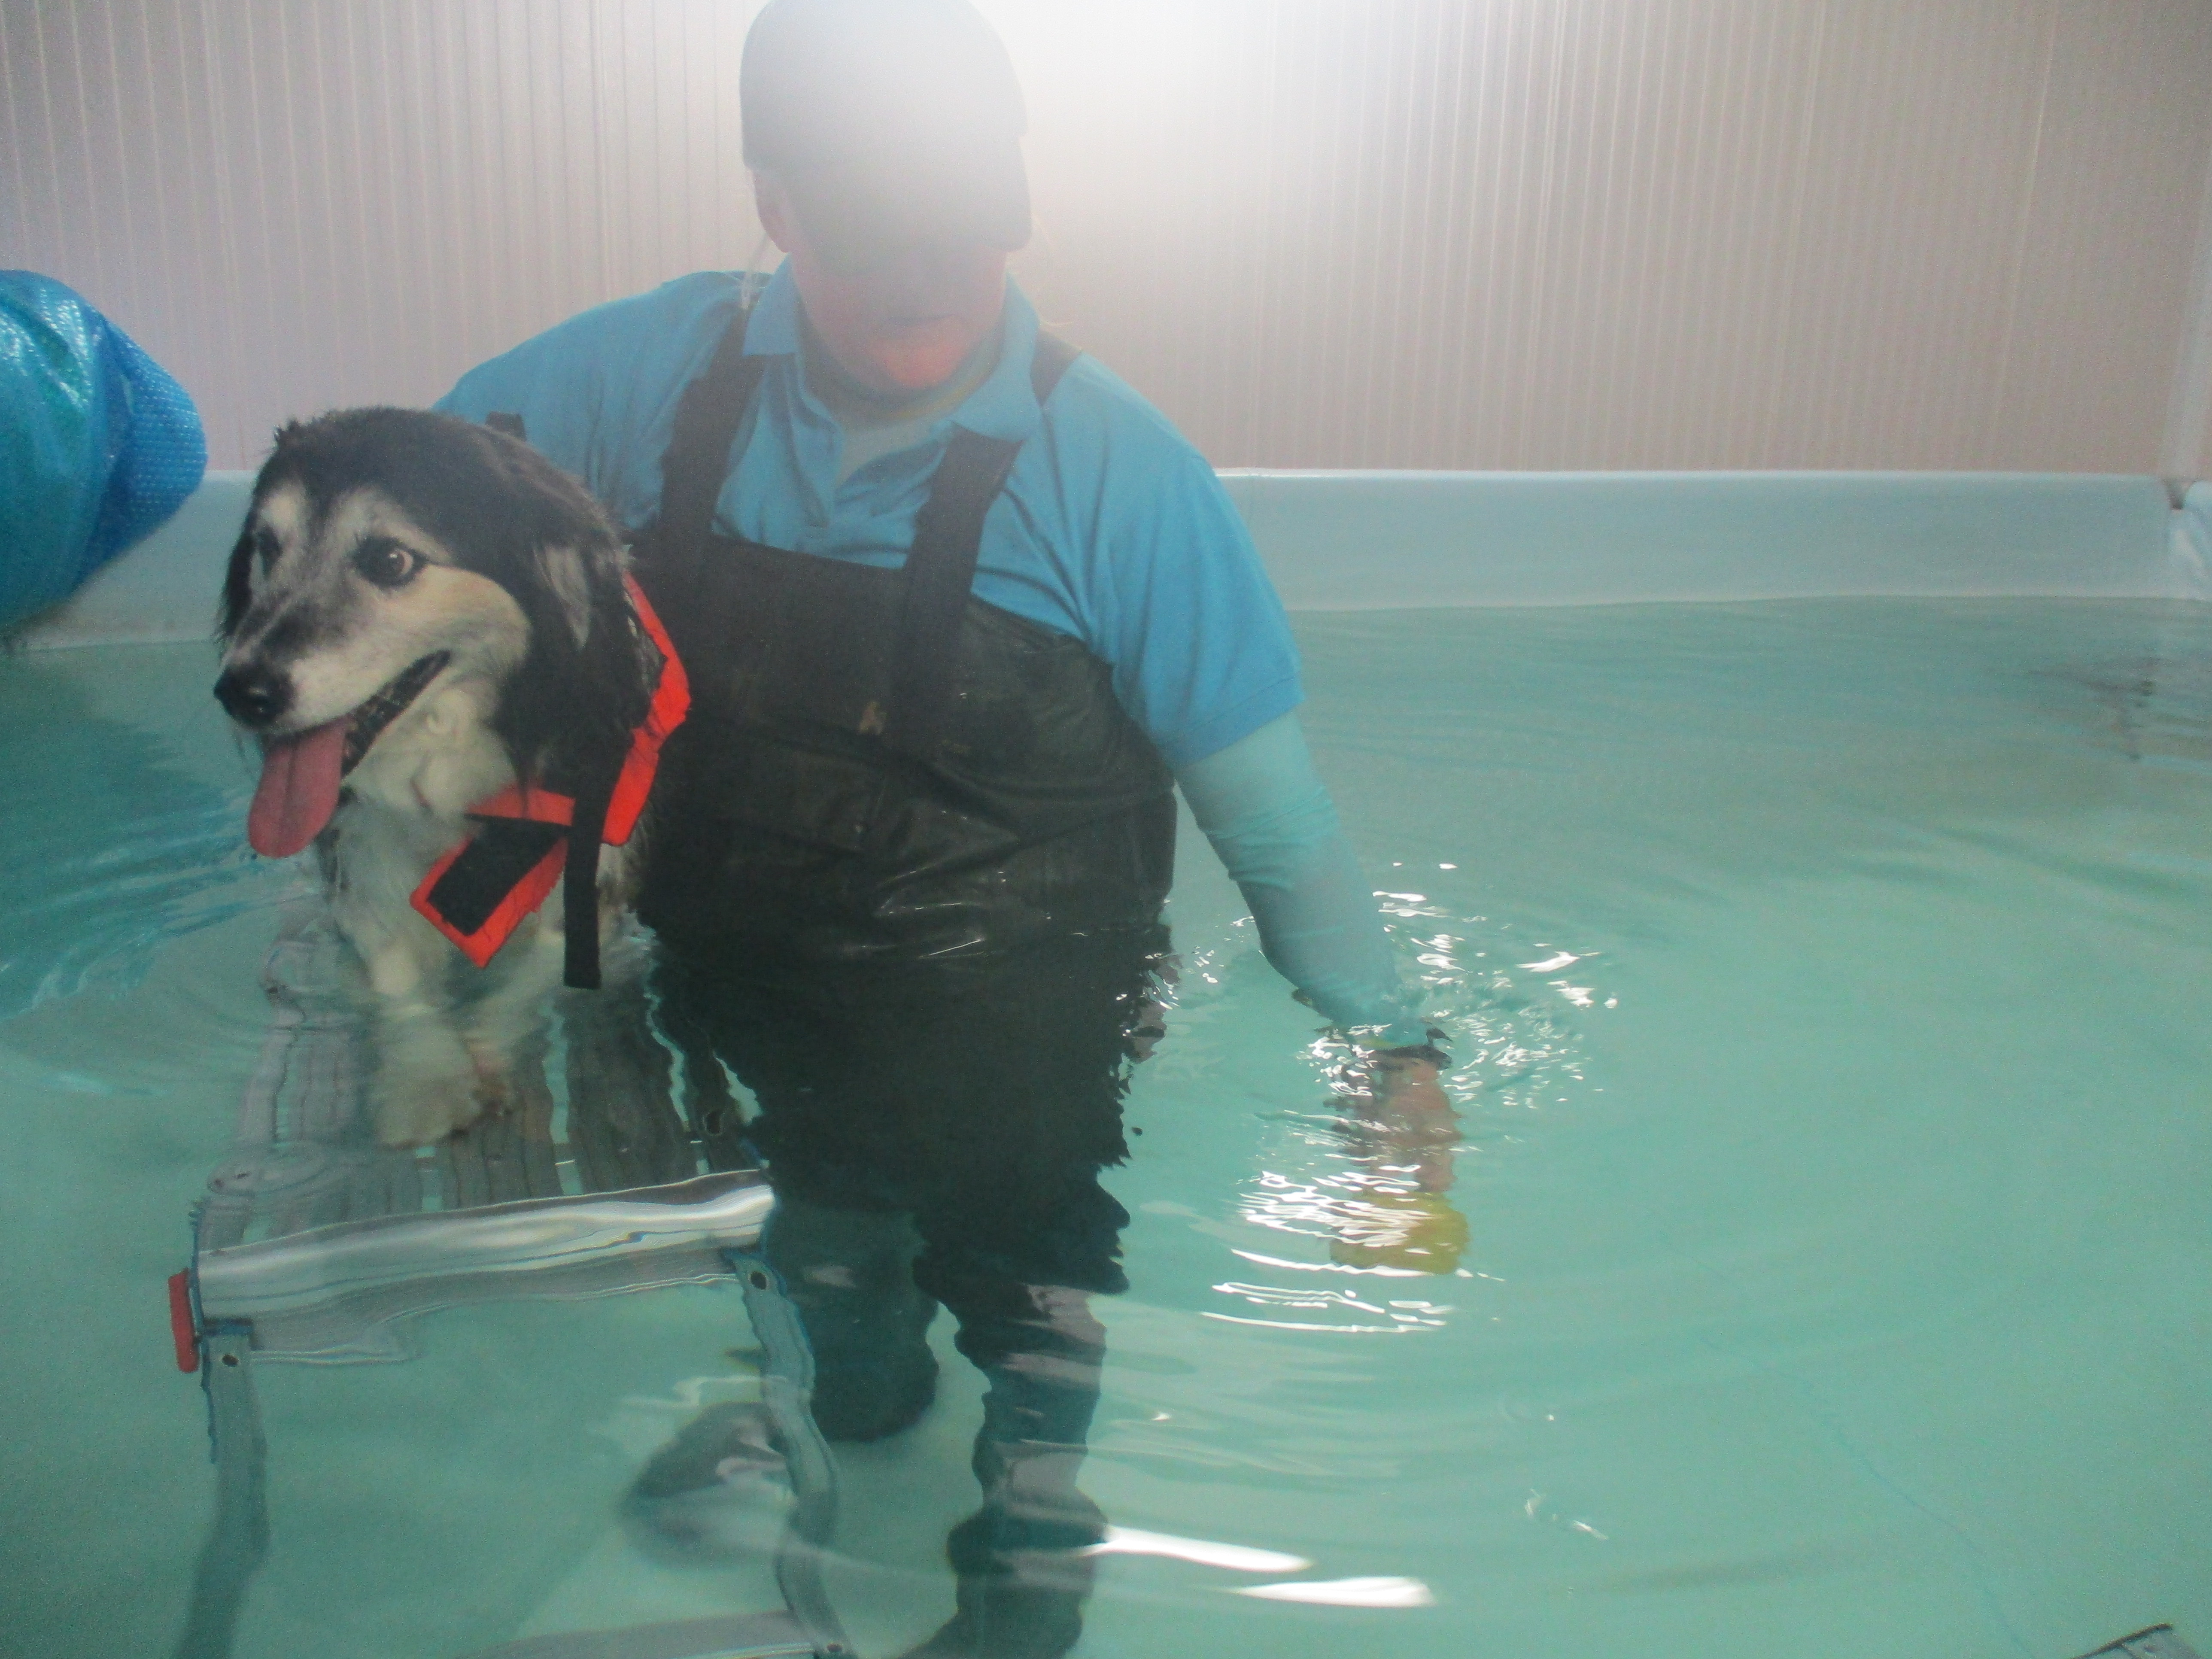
499, 1023
427, 1085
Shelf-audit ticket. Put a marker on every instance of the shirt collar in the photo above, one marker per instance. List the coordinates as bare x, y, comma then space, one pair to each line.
772, 330
1003, 406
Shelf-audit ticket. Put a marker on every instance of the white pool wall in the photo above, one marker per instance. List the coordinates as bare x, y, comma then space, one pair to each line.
1355, 541
1379, 541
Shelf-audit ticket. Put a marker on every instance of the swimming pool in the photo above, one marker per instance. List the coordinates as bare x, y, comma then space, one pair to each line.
1825, 977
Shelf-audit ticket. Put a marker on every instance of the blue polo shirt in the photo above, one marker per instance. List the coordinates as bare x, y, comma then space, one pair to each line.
1111, 527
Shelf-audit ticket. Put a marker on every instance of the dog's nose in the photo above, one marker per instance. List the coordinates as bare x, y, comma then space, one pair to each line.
254, 697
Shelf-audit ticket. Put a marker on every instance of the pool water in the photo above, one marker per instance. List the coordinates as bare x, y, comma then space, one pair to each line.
1825, 982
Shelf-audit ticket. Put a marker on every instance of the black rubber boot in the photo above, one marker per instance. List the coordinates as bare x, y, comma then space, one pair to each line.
1021, 1588
850, 1274
858, 1402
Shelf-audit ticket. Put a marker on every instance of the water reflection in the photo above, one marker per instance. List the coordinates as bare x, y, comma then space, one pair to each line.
1375, 1592
113, 848
1372, 1174
938, 1142
1202, 1552
931, 1140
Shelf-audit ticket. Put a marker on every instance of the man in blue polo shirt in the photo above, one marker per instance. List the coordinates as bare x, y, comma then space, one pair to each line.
960, 611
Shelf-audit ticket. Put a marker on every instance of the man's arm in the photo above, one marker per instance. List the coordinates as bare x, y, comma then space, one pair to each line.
1271, 820
1168, 587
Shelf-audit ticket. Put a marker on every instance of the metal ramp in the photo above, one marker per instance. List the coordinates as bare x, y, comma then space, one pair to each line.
314, 1246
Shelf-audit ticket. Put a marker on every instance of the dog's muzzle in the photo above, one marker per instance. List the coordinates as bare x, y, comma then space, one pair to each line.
387, 705
301, 771
255, 696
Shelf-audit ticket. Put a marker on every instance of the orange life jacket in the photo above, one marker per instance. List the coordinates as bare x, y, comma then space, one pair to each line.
479, 892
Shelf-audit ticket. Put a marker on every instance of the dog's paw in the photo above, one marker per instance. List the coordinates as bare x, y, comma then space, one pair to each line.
495, 1086
424, 1111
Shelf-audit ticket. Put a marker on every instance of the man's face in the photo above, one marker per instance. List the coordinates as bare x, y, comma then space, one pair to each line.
904, 325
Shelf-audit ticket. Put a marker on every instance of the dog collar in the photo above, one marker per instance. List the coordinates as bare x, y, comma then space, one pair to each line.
480, 891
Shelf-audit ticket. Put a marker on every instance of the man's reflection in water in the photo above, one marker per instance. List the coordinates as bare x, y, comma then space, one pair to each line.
935, 1136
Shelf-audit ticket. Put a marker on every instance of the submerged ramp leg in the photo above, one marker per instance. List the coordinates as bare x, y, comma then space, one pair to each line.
239, 1536
2159, 1641
787, 1389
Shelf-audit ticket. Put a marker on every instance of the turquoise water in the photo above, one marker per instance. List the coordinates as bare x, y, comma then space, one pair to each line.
1828, 984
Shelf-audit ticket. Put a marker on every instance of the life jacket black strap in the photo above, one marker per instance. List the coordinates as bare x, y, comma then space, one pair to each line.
499, 854
502, 852
580, 884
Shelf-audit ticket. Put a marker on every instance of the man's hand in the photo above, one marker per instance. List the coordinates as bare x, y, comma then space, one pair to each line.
1403, 1118
1402, 1125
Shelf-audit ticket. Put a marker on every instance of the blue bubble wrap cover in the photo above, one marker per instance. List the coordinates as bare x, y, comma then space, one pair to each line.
98, 444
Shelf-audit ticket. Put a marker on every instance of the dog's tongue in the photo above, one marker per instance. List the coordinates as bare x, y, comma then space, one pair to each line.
299, 790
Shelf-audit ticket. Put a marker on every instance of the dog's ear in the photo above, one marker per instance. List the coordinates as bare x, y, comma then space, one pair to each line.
587, 678
237, 581
237, 575
569, 579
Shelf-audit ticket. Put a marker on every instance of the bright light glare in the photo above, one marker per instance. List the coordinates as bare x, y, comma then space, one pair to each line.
1349, 1592
1236, 1558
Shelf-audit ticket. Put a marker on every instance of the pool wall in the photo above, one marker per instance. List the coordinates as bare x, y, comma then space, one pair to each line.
1370, 541
1353, 541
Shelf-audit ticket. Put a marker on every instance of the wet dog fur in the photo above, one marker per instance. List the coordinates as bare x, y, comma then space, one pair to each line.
390, 551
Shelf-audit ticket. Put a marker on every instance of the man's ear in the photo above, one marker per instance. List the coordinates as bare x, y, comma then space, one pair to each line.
773, 208
562, 567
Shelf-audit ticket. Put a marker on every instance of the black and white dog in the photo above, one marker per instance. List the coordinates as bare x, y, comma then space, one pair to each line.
458, 694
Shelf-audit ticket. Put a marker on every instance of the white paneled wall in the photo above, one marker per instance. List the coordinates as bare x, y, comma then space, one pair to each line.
1540, 234
295, 203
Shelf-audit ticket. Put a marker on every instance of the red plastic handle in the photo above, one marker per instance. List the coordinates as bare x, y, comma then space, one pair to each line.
182, 1330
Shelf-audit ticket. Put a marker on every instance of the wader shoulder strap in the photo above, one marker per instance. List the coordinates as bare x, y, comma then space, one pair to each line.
698, 458
940, 569
712, 405
1052, 358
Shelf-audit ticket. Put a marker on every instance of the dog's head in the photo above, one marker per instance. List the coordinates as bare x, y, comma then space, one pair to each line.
389, 552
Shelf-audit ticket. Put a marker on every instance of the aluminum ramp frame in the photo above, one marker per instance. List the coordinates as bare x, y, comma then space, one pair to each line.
314, 1245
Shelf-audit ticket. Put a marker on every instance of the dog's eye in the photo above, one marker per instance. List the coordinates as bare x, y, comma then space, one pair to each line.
386, 563
267, 547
